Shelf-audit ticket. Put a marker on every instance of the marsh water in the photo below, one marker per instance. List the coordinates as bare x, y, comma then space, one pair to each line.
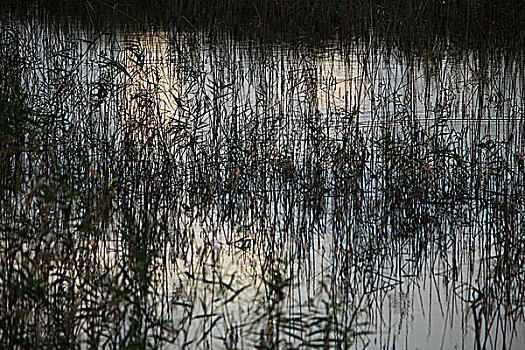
173, 189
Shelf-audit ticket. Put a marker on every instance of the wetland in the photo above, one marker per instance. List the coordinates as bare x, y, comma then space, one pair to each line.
267, 175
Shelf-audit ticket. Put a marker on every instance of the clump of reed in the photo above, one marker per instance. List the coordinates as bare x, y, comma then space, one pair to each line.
471, 22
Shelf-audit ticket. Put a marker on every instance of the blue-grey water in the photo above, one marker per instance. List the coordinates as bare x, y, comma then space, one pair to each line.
417, 245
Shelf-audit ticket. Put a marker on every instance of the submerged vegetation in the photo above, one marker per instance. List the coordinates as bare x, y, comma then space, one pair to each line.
191, 188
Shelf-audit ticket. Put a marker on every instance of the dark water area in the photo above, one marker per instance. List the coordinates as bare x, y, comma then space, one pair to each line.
170, 188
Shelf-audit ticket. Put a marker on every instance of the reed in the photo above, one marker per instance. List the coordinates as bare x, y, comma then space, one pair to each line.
472, 22
192, 189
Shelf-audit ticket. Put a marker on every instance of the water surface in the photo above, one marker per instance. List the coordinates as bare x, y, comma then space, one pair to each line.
182, 189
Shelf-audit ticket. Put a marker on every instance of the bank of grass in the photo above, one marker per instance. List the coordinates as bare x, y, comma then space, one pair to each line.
463, 22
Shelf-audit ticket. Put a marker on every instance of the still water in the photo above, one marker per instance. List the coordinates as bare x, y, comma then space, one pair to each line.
380, 188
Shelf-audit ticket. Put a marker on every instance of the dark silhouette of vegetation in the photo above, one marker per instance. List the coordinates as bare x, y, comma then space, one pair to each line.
465, 22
